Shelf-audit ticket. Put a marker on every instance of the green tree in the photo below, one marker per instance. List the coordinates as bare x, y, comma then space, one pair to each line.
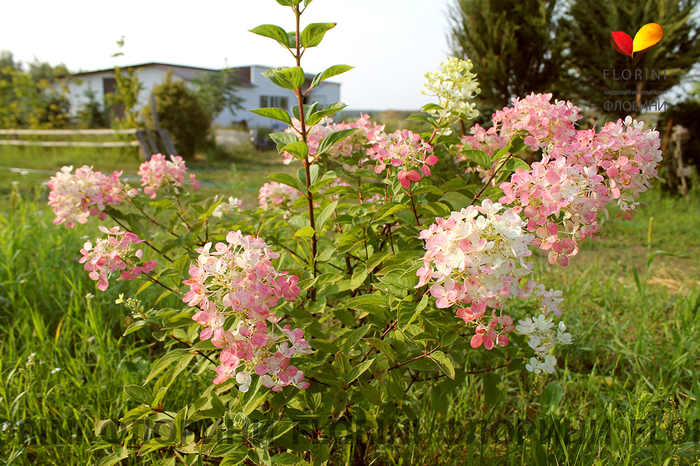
587, 26
514, 46
182, 114
123, 104
217, 91
33, 99
91, 115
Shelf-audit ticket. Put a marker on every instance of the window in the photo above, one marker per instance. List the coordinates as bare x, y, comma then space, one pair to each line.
267, 101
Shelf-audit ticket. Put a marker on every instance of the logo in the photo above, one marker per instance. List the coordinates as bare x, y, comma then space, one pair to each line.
647, 37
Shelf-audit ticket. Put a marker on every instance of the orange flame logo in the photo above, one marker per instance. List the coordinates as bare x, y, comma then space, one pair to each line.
647, 37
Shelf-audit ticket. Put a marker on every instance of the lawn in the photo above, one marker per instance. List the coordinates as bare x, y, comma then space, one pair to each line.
624, 393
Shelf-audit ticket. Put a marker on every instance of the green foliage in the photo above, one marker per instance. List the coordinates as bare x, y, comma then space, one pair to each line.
217, 91
389, 368
514, 45
180, 112
123, 104
91, 115
28, 99
613, 388
587, 27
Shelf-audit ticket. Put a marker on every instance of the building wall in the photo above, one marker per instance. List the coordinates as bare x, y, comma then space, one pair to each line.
324, 94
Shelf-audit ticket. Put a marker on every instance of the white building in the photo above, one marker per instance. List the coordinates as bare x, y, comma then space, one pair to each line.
255, 89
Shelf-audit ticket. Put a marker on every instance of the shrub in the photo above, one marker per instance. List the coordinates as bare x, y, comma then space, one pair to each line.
390, 263
181, 113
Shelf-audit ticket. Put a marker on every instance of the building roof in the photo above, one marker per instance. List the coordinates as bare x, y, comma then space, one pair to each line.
190, 72
184, 71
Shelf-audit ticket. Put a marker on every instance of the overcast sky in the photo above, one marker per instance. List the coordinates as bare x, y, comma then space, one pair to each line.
391, 43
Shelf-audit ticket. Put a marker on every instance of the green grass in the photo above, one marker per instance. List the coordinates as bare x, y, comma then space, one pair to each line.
625, 392
239, 173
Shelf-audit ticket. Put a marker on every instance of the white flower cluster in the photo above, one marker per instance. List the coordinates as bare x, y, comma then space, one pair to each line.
233, 206
479, 249
454, 86
543, 337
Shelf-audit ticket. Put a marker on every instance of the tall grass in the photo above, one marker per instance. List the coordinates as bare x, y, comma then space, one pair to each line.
625, 392
63, 360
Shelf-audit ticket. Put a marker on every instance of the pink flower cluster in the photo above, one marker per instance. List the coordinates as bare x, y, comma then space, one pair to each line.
405, 150
277, 196
159, 172
487, 334
580, 171
476, 257
357, 142
237, 280
75, 197
112, 254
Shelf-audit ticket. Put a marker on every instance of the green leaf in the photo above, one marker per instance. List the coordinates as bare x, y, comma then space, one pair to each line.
407, 314
115, 458
388, 209
358, 370
421, 117
331, 139
551, 398
253, 398
135, 326
274, 113
516, 145
304, 232
312, 35
423, 364
322, 182
143, 286
286, 459
428, 107
479, 157
328, 111
179, 424
358, 277
313, 173
298, 149
383, 347
165, 361
286, 78
136, 414
237, 457
444, 362
138, 393
273, 32
285, 179
371, 303
329, 73
428, 189
514, 163
376, 259
283, 139
325, 215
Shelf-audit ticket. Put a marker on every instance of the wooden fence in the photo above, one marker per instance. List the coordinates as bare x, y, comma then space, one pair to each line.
149, 141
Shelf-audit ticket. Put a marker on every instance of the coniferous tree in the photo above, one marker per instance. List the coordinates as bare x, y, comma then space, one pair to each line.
514, 46
587, 26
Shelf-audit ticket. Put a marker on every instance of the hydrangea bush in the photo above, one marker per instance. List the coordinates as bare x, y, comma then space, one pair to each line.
389, 262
